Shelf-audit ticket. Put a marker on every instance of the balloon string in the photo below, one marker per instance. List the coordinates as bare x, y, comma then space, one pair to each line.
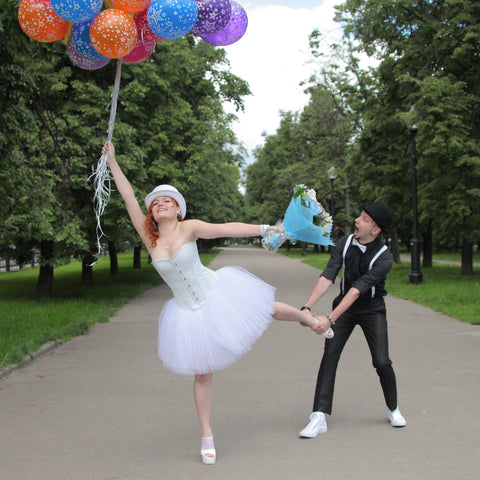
101, 175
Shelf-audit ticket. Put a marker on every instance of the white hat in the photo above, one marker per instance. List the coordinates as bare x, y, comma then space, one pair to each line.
167, 191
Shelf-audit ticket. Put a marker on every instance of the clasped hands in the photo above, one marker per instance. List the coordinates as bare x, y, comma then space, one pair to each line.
323, 324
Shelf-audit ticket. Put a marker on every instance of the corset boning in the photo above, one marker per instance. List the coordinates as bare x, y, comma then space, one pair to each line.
190, 281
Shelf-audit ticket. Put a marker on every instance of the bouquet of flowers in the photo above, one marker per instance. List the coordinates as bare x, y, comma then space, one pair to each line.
305, 220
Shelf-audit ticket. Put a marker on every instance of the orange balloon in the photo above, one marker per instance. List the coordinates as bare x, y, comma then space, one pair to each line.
113, 33
40, 21
131, 6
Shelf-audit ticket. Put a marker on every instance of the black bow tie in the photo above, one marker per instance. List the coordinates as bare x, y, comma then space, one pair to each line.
363, 248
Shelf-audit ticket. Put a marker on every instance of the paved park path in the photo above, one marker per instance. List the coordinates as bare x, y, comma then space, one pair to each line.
101, 407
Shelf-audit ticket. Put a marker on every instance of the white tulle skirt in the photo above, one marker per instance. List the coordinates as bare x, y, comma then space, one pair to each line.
220, 332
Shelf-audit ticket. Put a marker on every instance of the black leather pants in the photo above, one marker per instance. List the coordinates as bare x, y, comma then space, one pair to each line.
373, 322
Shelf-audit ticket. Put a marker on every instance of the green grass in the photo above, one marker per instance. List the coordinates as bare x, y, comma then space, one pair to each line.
443, 288
26, 323
454, 256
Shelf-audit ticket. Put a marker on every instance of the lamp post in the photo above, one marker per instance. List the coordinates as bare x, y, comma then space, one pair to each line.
332, 175
415, 276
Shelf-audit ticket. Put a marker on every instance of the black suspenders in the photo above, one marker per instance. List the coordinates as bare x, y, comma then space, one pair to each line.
372, 261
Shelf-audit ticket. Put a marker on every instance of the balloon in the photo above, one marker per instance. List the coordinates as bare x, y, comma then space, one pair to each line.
77, 11
113, 33
213, 16
234, 30
80, 38
140, 53
131, 6
40, 22
172, 18
83, 62
144, 31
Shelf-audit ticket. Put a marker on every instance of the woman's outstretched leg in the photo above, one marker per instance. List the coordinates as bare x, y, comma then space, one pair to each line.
285, 312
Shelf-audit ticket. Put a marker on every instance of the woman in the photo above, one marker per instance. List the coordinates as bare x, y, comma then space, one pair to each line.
214, 317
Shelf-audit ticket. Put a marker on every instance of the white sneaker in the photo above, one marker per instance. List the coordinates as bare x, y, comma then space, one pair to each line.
396, 418
316, 426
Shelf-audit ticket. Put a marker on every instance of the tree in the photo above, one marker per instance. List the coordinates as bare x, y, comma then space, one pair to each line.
34, 157
270, 180
301, 151
431, 50
170, 124
173, 129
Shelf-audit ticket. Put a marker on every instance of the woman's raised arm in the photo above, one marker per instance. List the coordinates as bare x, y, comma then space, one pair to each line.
126, 191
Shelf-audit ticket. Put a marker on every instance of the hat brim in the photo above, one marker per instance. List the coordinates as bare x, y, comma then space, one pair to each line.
177, 196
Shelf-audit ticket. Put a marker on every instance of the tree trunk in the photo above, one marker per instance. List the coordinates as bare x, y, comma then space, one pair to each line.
45, 277
87, 269
467, 257
112, 251
428, 247
137, 257
394, 245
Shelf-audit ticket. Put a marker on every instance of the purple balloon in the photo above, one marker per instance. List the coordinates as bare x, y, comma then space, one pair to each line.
234, 30
81, 61
213, 16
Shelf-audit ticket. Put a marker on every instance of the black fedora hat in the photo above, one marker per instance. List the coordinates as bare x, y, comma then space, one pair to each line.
380, 214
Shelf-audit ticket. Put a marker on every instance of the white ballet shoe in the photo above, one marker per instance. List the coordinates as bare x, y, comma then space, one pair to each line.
209, 455
328, 333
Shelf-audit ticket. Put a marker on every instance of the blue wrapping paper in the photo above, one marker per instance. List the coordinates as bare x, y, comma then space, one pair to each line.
298, 223
298, 226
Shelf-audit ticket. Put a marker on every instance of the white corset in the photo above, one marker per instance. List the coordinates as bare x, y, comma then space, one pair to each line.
190, 281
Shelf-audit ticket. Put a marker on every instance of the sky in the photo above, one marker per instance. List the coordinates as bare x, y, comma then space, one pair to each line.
272, 57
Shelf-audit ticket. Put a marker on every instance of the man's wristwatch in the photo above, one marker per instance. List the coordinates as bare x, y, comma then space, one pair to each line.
306, 308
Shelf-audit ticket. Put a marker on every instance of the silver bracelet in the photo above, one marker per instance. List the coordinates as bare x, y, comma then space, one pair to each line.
264, 229
332, 321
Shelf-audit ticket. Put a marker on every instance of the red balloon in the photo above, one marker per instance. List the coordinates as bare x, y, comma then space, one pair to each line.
131, 6
140, 53
113, 33
40, 22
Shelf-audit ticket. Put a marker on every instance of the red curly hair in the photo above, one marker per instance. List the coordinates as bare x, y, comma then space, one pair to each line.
150, 226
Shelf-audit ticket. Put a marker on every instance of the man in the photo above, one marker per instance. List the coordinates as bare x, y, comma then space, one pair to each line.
365, 261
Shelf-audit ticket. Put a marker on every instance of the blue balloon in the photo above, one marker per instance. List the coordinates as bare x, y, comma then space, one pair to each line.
80, 38
77, 11
172, 19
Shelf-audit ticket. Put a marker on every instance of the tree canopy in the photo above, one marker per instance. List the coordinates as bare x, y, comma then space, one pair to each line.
425, 55
170, 128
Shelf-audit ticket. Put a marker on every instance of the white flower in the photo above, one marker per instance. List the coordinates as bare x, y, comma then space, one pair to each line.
312, 194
